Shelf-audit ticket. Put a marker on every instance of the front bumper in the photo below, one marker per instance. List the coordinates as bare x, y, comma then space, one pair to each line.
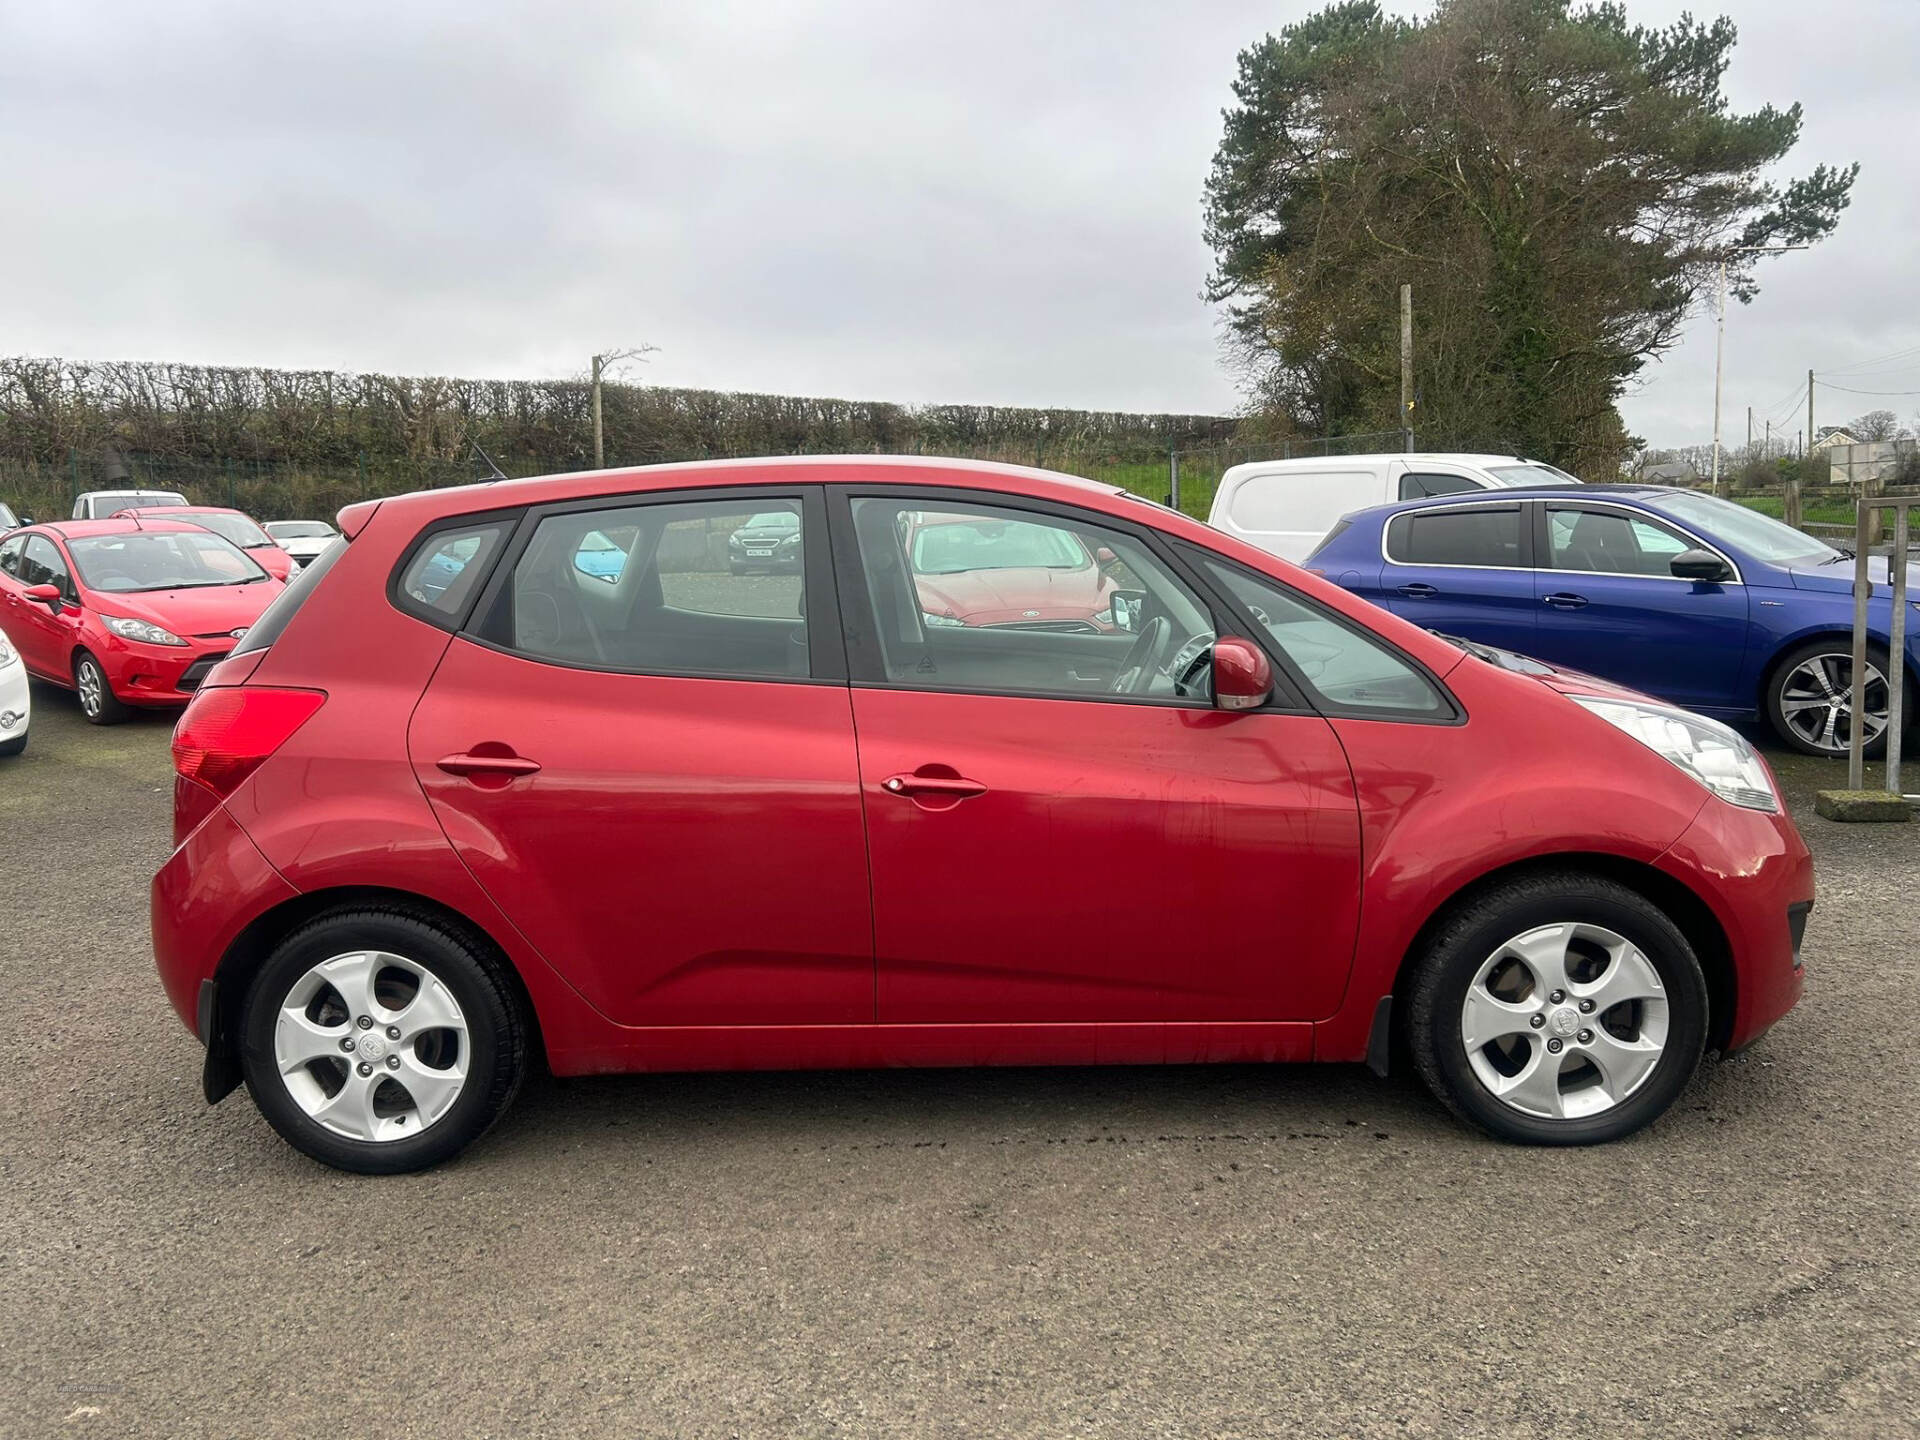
16, 701
1756, 875
160, 674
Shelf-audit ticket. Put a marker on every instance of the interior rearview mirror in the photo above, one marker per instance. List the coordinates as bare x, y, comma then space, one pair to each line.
1128, 608
1242, 677
1700, 565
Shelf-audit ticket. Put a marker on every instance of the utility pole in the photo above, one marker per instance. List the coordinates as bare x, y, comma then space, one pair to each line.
1749, 429
1406, 368
599, 442
1809, 412
1720, 344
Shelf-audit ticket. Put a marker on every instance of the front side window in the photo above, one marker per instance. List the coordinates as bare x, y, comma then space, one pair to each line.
1420, 487
1344, 667
42, 564
1610, 543
996, 600
160, 560
1489, 537
10, 554
666, 588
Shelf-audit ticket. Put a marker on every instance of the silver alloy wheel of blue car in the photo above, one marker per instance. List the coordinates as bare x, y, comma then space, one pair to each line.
1817, 702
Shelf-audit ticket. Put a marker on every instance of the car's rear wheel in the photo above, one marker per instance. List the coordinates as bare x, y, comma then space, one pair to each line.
1558, 1009
1811, 699
379, 1041
97, 700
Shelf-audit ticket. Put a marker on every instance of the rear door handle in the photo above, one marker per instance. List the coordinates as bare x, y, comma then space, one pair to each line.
1417, 591
468, 763
957, 786
1563, 601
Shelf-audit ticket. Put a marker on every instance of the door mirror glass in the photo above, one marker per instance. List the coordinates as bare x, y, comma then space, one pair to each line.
1701, 565
1242, 677
1129, 607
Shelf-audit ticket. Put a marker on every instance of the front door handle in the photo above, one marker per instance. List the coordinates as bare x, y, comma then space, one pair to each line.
468, 763
1417, 591
1563, 601
956, 787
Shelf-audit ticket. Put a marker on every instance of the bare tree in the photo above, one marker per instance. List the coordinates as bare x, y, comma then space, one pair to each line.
604, 362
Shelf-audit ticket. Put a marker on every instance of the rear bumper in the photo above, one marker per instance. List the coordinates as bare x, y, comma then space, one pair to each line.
207, 893
1755, 873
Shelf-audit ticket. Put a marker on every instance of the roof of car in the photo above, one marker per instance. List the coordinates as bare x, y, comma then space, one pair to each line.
1532, 492
80, 529
185, 510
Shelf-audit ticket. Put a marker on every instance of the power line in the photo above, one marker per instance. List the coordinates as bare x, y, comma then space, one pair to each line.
1851, 391
1860, 365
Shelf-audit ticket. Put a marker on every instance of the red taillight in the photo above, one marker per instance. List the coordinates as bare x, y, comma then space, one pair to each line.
223, 737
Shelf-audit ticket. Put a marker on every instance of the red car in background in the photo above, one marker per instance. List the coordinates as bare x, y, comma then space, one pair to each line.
233, 525
127, 612
457, 805
983, 570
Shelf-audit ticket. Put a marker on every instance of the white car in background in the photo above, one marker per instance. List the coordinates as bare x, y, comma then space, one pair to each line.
16, 702
102, 504
302, 539
1286, 507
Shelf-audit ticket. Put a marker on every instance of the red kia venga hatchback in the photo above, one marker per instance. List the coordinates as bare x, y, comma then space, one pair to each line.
466, 794
127, 613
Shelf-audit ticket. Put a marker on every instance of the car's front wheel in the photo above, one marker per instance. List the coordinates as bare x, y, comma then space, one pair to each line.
1813, 705
1558, 1009
97, 700
380, 1041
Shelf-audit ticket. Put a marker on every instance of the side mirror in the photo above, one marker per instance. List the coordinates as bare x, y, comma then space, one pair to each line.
45, 594
1242, 678
1128, 608
1700, 565
1105, 556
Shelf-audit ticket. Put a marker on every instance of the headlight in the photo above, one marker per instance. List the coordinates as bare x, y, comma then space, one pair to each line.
6, 651
1719, 758
941, 621
140, 630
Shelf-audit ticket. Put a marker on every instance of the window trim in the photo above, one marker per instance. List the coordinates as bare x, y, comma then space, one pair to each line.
70, 576
1543, 540
454, 623
826, 651
1452, 713
867, 664
1527, 553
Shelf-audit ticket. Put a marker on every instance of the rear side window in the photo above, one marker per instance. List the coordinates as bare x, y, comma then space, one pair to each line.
1421, 487
275, 618
1456, 537
445, 570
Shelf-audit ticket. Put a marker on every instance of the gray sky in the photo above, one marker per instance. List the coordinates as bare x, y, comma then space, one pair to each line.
979, 202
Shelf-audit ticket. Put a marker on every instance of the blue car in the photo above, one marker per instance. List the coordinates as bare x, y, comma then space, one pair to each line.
1699, 601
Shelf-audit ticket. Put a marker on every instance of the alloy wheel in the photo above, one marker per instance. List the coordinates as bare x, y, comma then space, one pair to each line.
1817, 702
91, 685
1565, 1021
372, 1046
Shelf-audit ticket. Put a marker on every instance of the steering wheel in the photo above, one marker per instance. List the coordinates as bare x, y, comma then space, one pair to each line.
1143, 657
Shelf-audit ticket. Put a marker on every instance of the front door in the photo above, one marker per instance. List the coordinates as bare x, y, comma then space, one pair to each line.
649, 763
45, 639
1062, 828
1610, 604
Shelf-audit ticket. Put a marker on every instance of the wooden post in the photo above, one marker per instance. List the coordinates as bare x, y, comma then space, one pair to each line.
1406, 369
1791, 503
599, 446
1871, 489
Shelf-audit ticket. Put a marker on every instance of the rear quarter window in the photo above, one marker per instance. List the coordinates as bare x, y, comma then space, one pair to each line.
443, 573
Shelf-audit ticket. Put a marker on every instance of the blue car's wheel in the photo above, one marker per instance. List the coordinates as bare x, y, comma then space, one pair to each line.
1813, 704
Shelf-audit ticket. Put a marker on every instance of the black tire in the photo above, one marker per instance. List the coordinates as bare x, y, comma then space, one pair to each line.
497, 1035
1835, 645
1470, 935
105, 708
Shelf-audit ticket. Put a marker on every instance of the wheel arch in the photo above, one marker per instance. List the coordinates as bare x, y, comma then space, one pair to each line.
1787, 645
256, 941
1674, 899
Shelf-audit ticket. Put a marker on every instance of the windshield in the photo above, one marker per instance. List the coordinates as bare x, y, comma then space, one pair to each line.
1534, 472
1761, 536
237, 528
7, 518
299, 530
951, 547
773, 520
154, 560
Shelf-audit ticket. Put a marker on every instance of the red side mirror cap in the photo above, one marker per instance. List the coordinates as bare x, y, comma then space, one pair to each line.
1242, 677
45, 594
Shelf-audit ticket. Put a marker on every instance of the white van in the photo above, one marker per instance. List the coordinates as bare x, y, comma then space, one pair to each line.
1286, 506
103, 504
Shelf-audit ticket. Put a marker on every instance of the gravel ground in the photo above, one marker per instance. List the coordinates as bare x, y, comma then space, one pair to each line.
1206, 1252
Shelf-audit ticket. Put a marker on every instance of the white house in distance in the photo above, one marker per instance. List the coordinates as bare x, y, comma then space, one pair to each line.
1832, 435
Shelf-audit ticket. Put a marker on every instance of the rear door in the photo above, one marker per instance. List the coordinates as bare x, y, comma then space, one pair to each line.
650, 765
1610, 604
1463, 570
